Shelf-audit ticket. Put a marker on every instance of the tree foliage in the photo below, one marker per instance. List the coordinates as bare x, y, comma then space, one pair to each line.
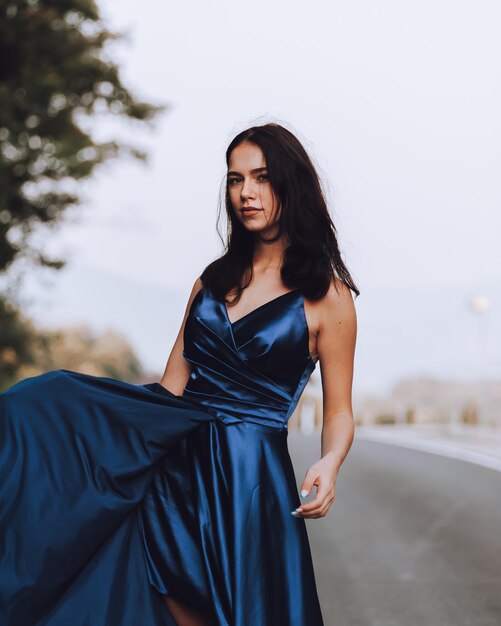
55, 78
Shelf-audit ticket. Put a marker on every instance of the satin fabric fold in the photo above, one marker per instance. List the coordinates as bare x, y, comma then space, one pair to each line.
77, 456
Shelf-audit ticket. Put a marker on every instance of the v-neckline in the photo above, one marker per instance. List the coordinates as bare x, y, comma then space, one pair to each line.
231, 324
261, 306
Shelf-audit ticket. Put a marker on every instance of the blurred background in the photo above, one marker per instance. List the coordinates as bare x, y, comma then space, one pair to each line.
114, 120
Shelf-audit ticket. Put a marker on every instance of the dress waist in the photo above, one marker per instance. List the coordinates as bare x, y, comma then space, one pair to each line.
268, 417
234, 411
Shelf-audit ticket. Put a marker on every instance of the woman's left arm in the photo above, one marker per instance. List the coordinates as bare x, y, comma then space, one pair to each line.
336, 341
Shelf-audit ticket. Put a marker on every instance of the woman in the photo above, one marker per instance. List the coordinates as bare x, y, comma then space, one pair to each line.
176, 503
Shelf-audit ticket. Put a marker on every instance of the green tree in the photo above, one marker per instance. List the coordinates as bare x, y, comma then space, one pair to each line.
55, 79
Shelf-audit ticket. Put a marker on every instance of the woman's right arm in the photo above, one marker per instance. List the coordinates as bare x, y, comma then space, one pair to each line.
178, 370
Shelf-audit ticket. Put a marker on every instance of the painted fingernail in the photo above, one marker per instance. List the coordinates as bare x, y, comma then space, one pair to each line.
304, 493
294, 513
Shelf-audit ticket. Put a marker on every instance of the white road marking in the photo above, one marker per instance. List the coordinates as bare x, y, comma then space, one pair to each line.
451, 450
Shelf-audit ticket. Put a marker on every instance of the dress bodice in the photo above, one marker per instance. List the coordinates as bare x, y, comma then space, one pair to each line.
253, 369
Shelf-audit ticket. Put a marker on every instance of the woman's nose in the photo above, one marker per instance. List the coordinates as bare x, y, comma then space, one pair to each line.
247, 189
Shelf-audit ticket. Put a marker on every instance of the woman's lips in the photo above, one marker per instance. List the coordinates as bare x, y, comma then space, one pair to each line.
249, 212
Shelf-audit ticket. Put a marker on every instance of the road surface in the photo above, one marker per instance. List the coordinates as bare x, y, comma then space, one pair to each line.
412, 538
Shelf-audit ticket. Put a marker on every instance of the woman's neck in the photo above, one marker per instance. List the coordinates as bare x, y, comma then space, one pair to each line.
268, 257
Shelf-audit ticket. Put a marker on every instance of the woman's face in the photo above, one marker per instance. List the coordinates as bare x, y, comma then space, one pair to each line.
254, 202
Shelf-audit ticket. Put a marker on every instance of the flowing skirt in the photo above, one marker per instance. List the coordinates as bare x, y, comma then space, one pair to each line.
113, 495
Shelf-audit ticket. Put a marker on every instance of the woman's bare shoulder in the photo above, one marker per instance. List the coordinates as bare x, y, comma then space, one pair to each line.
197, 285
337, 305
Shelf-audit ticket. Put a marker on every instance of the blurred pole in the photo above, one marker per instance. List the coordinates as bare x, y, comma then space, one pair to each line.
479, 305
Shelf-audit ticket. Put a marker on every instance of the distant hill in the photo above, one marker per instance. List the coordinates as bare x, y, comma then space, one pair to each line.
76, 348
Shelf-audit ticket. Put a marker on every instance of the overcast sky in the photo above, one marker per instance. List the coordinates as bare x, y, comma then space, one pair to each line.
398, 105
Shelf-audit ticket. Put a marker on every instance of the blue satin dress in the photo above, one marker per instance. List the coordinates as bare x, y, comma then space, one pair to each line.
114, 494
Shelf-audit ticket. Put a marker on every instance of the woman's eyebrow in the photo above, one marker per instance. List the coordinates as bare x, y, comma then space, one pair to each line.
256, 169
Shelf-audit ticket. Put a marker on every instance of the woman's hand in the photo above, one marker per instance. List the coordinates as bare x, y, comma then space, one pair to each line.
323, 475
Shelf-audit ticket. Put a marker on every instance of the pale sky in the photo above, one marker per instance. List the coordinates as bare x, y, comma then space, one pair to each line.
398, 105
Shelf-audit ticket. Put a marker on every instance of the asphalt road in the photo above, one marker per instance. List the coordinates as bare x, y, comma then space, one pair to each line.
411, 539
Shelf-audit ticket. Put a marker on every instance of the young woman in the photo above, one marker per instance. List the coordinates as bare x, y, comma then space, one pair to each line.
176, 502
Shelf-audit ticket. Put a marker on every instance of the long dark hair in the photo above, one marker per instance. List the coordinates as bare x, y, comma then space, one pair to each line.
312, 259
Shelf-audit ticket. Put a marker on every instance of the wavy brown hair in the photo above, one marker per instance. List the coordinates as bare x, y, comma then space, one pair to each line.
312, 259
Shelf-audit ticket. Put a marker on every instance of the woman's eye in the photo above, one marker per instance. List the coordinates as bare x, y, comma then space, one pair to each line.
233, 181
